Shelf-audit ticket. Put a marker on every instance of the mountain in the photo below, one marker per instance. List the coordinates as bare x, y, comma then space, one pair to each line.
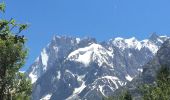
73, 68
150, 69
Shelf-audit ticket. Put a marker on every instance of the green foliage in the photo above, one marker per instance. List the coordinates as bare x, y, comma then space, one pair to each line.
161, 89
22, 27
23, 90
2, 7
13, 84
127, 96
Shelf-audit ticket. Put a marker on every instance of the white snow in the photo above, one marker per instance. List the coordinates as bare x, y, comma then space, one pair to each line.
78, 40
134, 43
130, 54
128, 77
68, 71
151, 46
119, 39
140, 69
33, 77
57, 36
122, 83
80, 77
164, 36
101, 90
46, 97
34, 73
94, 52
110, 77
84, 58
160, 40
127, 43
55, 48
58, 75
44, 58
79, 89
113, 79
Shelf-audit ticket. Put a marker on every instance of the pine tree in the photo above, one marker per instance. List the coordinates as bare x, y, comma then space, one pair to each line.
13, 84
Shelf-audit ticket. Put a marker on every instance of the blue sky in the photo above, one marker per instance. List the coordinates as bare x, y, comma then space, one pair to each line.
102, 19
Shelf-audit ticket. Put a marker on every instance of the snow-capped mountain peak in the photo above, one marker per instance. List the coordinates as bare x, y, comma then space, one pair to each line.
150, 45
93, 52
153, 43
127, 43
85, 69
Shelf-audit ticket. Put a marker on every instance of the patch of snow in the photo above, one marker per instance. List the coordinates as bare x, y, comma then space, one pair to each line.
119, 39
84, 58
140, 69
68, 71
164, 36
127, 43
128, 77
112, 79
101, 90
55, 48
151, 46
122, 83
33, 77
94, 52
46, 97
159, 40
79, 89
57, 36
80, 77
130, 54
44, 58
78, 40
133, 43
58, 75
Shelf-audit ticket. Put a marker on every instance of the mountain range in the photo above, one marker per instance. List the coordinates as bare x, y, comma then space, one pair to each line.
70, 68
149, 74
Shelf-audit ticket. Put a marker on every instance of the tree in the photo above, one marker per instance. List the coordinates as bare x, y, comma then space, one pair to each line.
127, 96
161, 89
13, 84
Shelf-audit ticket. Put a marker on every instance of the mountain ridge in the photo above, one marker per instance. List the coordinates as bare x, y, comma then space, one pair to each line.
150, 69
112, 64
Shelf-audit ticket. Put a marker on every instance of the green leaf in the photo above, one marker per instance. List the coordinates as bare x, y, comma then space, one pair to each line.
2, 7
22, 27
12, 21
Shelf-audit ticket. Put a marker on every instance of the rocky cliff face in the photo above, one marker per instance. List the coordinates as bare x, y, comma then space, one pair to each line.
150, 69
72, 68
